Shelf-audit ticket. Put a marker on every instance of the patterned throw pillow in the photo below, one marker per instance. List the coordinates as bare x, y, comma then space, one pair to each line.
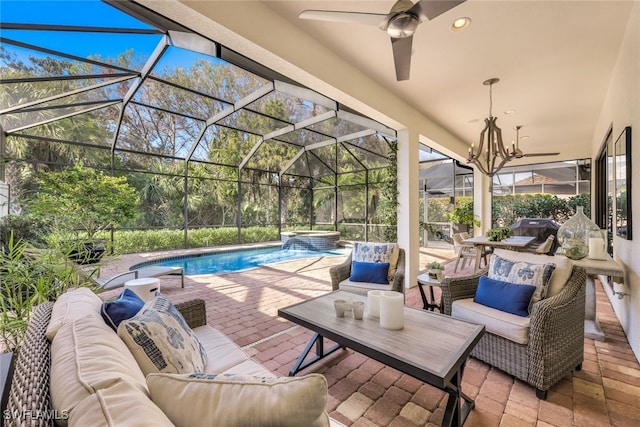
202, 400
378, 252
161, 341
523, 273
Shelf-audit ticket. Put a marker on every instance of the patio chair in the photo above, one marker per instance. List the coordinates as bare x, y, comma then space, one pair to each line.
119, 280
465, 251
540, 348
341, 275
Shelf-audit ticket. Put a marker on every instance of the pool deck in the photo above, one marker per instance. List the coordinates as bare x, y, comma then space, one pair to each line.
363, 392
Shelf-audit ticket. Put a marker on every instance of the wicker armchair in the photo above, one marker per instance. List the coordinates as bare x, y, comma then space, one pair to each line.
556, 333
342, 272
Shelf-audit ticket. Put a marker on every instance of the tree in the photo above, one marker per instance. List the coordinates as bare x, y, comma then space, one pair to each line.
84, 198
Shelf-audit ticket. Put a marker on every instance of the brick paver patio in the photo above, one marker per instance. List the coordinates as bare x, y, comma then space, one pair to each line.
363, 392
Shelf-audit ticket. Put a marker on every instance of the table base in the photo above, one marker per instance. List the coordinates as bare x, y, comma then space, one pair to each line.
459, 405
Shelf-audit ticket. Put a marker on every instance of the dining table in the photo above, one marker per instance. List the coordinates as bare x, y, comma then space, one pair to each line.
481, 242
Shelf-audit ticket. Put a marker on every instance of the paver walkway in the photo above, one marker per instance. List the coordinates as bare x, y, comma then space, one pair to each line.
363, 392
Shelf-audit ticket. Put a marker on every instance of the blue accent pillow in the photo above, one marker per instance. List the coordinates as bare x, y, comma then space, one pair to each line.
372, 272
127, 305
504, 296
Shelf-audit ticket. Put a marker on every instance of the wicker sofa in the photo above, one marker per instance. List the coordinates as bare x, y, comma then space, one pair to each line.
31, 402
341, 273
554, 345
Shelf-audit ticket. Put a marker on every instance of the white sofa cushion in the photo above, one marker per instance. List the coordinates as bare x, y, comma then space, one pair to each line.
506, 325
122, 404
377, 252
224, 356
161, 341
560, 275
86, 356
72, 305
201, 400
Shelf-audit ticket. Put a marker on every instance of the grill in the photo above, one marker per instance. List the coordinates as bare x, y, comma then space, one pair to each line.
540, 228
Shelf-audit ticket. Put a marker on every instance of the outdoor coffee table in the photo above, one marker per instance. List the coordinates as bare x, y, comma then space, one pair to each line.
431, 347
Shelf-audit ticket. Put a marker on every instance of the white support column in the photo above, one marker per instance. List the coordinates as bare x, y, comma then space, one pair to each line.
481, 202
408, 204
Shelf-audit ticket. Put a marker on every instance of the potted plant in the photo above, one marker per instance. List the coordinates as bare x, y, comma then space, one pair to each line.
462, 218
84, 202
435, 270
499, 233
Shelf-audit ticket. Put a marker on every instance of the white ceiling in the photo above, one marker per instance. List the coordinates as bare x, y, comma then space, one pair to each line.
554, 60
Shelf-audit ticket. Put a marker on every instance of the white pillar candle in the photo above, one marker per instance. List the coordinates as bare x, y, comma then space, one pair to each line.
392, 310
596, 248
373, 304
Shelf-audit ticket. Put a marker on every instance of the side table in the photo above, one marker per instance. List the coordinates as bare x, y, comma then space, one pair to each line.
425, 280
145, 287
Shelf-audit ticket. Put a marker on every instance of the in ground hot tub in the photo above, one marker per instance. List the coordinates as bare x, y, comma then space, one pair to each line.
310, 240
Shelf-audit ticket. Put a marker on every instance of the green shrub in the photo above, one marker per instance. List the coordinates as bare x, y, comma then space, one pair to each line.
27, 228
29, 277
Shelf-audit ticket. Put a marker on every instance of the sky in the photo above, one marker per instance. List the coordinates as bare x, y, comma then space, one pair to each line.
80, 12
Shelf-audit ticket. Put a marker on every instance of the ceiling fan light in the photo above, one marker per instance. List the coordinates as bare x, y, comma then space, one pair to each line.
460, 24
402, 25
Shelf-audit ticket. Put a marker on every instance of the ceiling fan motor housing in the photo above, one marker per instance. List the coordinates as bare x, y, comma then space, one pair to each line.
402, 25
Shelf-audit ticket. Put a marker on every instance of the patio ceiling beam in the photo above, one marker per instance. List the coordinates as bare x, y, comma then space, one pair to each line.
69, 105
366, 122
62, 54
291, 162
321, 144
79, 28
144, 73
251, 152
193, 42
305, 94
65, 116
253, 96
59, 78
65, 94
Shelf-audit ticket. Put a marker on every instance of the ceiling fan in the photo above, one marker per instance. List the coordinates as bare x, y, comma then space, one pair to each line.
400, 24
518, 154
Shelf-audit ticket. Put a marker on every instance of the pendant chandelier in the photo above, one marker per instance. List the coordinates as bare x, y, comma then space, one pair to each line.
491, 154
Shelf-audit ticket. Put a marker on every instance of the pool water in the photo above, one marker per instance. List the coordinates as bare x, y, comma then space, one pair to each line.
228, 261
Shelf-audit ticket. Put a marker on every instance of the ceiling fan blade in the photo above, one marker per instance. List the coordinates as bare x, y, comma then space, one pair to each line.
539, 154
346, 17
402, 56
428, 9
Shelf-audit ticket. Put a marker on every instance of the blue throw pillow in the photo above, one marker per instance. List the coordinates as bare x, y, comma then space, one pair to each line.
372, 272
125, 307
504, 296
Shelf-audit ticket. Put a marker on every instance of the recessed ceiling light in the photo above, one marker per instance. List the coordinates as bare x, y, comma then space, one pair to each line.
510, 111
473, 121
460, 24
524, 137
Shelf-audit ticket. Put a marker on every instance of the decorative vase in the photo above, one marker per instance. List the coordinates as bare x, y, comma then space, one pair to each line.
578, 234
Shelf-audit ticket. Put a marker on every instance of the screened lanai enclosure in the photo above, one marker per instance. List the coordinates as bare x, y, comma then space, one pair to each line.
208, 138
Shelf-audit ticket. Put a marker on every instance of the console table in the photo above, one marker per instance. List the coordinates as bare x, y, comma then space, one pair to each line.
593, 268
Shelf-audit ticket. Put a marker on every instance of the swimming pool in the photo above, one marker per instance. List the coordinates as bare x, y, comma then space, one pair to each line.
236, 260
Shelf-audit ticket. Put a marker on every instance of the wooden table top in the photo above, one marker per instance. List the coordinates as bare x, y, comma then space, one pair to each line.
430, 347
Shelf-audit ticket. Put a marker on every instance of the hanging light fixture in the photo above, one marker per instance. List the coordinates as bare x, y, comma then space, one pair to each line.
491, 154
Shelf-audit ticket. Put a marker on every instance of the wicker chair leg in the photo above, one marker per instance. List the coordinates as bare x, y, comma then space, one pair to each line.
541, 394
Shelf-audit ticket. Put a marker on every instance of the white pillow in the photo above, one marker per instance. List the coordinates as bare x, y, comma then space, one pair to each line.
215, 400
161, 341
72, 305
